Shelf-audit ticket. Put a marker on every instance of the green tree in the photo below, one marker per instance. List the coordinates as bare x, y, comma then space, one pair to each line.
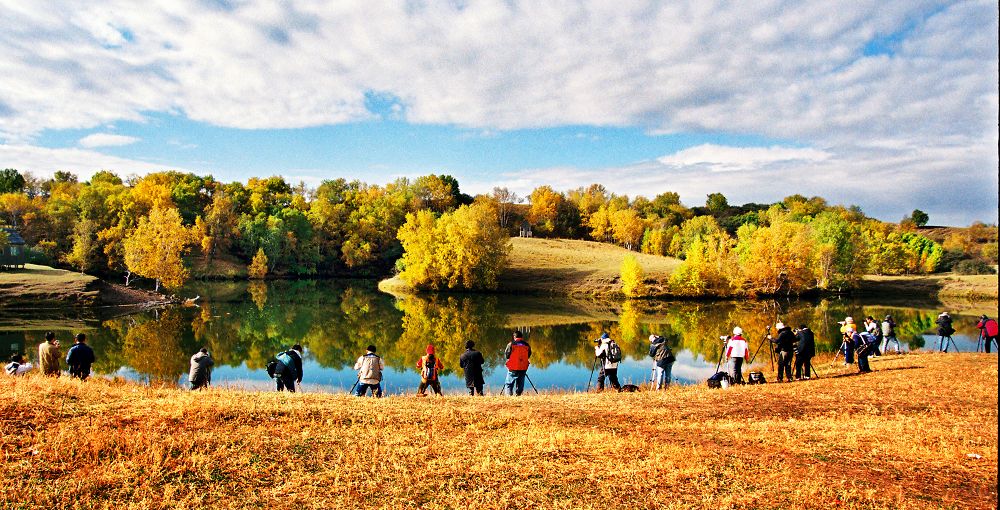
11, 181
717, 203
919, 217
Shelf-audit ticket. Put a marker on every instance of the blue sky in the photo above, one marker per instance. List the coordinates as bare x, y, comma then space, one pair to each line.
887, 105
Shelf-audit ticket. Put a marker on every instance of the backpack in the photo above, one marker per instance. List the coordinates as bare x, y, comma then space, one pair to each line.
271, 367
614, 352
663, 353
756, 377
12, 368
428, 371
717, 380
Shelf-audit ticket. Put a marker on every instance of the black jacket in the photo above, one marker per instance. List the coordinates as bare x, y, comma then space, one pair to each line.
807, 343
79, 358
654, 349
472, 362
296, 368
785, 341
944, 325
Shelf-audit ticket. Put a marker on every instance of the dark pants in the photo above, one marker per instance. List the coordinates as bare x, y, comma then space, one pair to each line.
863, 361
943, 343
476, 389
988, 342
738, 370
612, 375
803, 364
285, 381
197, 385
784, 365
364, 387
79, 371
434, 384
848, 355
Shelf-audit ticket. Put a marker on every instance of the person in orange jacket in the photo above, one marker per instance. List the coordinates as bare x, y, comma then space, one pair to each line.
517, 353
430, 366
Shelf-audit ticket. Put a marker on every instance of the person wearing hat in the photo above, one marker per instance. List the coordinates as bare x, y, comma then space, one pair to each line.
944, 330
200, 375
369, 367
471, 362
737, 350
663, 359
889, 333
609, 364
517, 354
987, 331
873, 329
784, 347
430, 367
848, 329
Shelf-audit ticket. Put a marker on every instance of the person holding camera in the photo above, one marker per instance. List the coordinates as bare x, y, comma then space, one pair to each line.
609, 354
472, 362
517, 353
736, 351
200, 374
889, 333
663, 359
79, 358
369, 367
944, 330
49, 355
804, 351
987, 331
784, 347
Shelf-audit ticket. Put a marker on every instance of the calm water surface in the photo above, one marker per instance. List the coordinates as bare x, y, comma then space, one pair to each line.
245, 324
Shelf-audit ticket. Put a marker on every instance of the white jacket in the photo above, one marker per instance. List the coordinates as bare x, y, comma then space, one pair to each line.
603, 349
737, 348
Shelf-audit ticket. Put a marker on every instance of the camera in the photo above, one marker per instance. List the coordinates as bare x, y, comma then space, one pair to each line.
724, 338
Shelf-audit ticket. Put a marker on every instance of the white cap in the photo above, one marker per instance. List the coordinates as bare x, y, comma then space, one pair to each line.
849, 320
737, 330
652, 338
780, 325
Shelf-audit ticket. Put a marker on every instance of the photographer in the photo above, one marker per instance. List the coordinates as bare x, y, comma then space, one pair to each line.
609, 354
663, 358
889, 333
804, 352
784, 346
987, 331
737, 350
863, 349
49, 355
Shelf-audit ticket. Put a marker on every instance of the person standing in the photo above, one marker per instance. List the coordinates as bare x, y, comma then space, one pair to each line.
471, 362
663, 359
289, 369
804, 352
430, 367
200, 375
873, 329
889, 333
49, 355
79, 358
944, 330
609, 354
517, 354
847, 329
737, 351
987, 331
784, 347
369, 367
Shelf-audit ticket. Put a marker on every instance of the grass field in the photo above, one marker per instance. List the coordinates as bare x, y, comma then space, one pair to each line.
948, 287
41, 285
920, 432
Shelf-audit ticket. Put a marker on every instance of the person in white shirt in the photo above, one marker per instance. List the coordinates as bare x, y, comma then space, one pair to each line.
737, 351
609, 354
369, 367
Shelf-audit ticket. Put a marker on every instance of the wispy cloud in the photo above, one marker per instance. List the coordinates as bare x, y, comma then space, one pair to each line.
106, 140
43, 161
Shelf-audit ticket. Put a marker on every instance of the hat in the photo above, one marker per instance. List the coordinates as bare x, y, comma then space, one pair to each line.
849, 320
430, 349
737, 330
943, 314
779, 325
887, 317
604, 335
652, 338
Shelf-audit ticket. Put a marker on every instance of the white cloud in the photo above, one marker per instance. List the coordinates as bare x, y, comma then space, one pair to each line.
43, 162
106, 140
720, 158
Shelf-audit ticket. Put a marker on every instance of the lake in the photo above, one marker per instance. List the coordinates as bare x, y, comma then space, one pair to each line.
244, 324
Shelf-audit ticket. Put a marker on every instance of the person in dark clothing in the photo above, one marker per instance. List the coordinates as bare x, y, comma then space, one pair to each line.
200, 375
804, 352
471, 362
862, 349
784, 347
289, 369
944, 330
987, 331
889, 333
663, 359
79, 358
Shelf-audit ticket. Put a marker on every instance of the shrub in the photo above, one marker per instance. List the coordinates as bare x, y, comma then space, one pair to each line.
973, 266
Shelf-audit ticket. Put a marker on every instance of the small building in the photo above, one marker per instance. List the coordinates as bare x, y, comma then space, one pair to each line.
14, 255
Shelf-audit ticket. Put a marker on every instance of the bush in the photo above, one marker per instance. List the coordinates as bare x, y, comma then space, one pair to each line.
973, 266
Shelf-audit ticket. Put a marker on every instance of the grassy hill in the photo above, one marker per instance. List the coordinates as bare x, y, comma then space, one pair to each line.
569, 267
44, 287
909, 435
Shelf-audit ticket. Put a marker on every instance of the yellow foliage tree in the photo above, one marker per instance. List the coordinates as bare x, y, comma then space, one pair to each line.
257, 269
156, 247
632, 277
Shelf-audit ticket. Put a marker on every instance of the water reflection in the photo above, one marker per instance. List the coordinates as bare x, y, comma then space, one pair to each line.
244, 325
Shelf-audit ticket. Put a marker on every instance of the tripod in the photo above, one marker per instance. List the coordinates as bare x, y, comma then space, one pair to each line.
945, 342
763, 341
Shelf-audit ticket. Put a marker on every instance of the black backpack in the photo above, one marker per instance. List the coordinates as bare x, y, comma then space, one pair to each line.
756, 377
716, 380
271, 367
614, 352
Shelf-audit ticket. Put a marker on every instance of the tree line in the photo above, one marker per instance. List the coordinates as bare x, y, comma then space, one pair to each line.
167, 226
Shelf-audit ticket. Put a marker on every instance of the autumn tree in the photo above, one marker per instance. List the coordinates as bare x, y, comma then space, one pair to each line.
156, 248
505, 201
632, 277
257, 269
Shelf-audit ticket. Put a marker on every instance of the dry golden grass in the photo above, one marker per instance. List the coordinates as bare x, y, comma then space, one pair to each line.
947, 287
41, 285
897, 438
565, 266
